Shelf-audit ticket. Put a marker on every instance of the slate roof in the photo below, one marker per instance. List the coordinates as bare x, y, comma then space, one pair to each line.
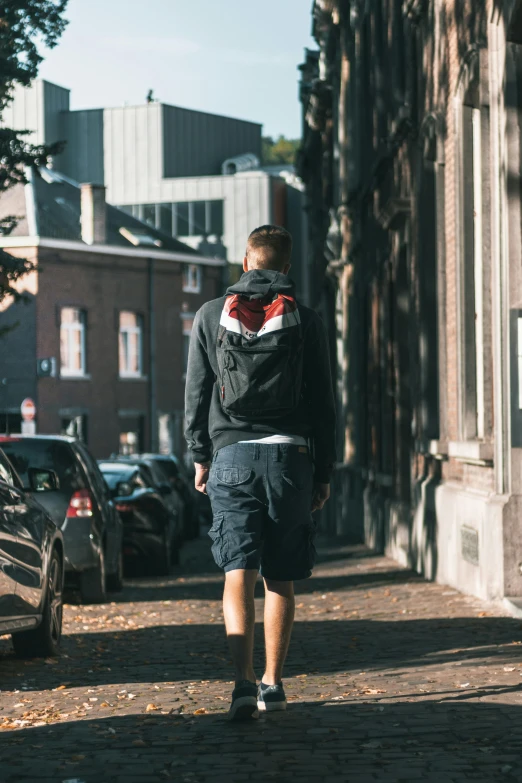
56, 200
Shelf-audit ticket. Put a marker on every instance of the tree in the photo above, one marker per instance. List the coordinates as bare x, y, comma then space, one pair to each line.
281, 151
23, 25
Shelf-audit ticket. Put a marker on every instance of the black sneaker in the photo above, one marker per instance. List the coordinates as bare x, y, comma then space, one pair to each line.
244, 701
271, 697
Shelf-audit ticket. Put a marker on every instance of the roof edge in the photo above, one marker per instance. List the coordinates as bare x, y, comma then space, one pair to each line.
108, 250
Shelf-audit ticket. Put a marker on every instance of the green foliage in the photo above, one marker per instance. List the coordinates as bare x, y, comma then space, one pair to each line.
24, 24
281, 150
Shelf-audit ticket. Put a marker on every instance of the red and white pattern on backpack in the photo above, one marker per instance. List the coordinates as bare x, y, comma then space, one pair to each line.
251, 318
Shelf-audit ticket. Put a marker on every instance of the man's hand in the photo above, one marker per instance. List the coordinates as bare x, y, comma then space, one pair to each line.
202, 471
320, 496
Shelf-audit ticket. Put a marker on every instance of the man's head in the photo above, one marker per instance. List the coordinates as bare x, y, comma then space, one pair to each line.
269, 247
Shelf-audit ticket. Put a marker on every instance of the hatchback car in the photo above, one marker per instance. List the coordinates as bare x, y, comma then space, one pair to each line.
149, 533
31, 563
80, 505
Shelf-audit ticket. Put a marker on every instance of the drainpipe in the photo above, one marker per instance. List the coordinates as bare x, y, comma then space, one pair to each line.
153, 413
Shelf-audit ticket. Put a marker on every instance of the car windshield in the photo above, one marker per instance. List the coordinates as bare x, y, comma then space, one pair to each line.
25, 453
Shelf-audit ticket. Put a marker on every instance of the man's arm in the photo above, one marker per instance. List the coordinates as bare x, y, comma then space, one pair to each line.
198, 395
319, 391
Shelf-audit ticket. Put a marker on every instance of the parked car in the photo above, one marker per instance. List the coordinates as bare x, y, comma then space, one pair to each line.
80, 505
174, 472
149, 528
171, 495
31, 562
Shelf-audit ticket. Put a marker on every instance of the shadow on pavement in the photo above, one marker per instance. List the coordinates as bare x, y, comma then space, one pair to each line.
313, 741
199, 651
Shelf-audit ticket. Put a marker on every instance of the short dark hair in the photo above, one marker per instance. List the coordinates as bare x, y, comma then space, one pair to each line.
271, 247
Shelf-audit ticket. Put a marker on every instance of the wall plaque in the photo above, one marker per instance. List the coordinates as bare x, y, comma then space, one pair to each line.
469, 539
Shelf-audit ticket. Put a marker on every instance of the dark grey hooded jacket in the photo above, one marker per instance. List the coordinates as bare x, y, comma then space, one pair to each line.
208, 428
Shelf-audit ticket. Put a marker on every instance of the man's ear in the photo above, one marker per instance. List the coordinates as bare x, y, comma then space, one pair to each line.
287, 268
245, 264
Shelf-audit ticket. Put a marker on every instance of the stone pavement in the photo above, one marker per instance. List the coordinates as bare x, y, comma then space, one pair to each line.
389, 679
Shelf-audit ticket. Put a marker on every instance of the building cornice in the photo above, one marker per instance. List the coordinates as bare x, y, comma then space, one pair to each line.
7, 243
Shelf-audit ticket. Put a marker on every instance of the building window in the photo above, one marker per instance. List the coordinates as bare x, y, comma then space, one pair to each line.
131, 439
72, 342
471, 262
131, 345
74, 427
183, 219
215, 218
187, 323
192, 278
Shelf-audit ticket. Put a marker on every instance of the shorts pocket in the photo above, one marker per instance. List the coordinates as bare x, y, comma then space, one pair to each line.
218, 543
232, 476
298, 483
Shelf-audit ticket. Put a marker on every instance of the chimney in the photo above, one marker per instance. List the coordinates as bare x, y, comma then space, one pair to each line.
93, 214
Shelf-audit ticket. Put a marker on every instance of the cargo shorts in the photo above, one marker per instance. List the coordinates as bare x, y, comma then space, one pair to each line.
261, 497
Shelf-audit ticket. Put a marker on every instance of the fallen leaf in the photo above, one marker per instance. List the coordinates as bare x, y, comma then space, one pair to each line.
104, 704
151, 708
139, 743
61, 688
201, 711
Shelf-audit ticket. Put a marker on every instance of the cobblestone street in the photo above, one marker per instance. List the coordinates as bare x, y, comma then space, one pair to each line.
389, 679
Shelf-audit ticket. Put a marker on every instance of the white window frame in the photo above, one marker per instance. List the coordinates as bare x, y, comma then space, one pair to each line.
131, 330
190, 286
477, 430
71, 328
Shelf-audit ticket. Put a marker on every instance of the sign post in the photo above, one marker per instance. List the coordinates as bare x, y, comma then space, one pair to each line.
28, 411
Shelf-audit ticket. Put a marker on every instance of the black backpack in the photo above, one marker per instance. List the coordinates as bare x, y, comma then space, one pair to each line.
259, 358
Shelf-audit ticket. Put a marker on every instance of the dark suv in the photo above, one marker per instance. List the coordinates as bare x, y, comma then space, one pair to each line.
80, 506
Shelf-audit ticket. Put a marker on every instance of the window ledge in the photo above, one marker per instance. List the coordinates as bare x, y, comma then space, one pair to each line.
438, 449
473, 452
133, 378
67, 377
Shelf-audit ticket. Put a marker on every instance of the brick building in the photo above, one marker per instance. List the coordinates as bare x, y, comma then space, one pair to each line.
411, 158
101, 342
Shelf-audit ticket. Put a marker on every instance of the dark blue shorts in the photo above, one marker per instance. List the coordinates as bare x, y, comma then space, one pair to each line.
261, 496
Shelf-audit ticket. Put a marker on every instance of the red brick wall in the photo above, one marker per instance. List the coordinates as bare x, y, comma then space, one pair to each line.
102, 286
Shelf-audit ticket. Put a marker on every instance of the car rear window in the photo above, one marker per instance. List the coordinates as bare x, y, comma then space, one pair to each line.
113, 474
52, 455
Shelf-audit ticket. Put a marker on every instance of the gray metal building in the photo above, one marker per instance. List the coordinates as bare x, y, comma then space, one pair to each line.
164, 165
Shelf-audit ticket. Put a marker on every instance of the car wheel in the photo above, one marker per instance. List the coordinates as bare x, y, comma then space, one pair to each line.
161, 561
115, 581
93, 588
44, 641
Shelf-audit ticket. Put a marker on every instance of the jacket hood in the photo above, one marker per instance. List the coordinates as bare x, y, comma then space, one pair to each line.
261, 283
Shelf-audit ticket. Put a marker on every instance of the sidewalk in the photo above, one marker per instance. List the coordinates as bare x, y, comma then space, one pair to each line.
389, 679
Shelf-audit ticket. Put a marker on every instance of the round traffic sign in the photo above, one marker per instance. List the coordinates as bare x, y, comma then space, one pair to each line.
28, 409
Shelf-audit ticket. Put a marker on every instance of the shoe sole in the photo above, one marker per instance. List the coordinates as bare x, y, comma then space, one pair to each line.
244, 708
271, 706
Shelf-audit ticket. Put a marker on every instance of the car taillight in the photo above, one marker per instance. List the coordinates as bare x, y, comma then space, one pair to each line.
123, 507
80, 504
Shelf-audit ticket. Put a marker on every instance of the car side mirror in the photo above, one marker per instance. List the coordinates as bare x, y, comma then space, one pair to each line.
42, 480
165, 489
124, 489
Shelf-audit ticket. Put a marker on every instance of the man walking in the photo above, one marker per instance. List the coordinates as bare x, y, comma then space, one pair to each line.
260, 424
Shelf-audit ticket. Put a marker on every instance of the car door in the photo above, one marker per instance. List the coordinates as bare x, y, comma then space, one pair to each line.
27, 521
8, 540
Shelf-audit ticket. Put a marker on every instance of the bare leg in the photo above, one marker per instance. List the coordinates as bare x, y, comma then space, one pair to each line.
279, 619
239, 612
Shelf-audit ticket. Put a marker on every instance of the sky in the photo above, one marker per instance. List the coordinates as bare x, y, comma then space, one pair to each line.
233, 57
